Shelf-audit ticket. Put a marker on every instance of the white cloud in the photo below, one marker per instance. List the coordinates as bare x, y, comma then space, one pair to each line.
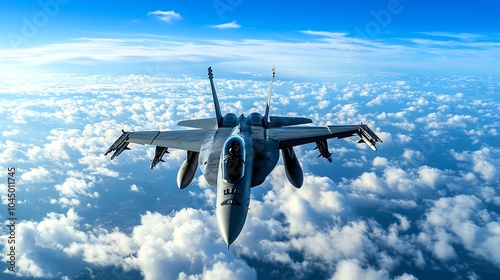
413, 155
71, 190
37, 174
403, 139
380, 162
382, 216
229, 25
368, 181
10, 133
73, 187
314, 198
348, 269
160, 247
429, 176
167, 16
406, 276
457, 220
52, 234
135, 188
483, 161
10, 152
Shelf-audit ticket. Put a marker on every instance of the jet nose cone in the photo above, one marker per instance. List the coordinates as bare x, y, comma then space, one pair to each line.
230, 220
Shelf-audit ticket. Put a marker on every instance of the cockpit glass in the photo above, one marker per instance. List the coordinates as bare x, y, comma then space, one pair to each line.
233, 166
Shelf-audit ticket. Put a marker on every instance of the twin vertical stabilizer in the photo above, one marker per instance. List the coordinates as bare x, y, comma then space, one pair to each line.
218, 114
265, 119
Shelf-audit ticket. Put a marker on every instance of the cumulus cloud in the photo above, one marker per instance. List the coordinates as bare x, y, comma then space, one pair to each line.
11, 151
167, 16
351, 270
161, 246
459, 221
135, 188
37, 174
368, 181
380, 162
401, 206
52, 235
482, 161
71, 190
10, 133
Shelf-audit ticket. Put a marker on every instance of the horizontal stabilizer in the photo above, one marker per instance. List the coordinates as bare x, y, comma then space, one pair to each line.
199, 123
287, 121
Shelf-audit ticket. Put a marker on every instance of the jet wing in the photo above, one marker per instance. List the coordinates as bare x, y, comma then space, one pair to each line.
199, 123
294, 136
189, 140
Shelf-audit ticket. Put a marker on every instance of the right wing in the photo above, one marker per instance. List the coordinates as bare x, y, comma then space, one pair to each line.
294, 136
189, 140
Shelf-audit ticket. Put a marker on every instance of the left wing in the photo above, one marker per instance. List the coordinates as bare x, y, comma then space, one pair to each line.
189, 140
294, 136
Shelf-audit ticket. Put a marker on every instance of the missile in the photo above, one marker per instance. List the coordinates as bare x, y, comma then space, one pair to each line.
364, 139
368, 137
159, 152
118, 142
322, 147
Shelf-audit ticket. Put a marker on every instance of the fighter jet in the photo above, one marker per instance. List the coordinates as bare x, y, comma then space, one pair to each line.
237, 153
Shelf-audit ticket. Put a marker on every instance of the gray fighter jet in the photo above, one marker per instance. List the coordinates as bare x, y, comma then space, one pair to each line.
236, 153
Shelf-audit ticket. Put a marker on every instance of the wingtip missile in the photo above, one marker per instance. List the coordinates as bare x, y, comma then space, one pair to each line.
118, 143
368, 136
120, 150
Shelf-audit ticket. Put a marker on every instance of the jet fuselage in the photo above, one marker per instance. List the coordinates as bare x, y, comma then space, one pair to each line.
241, 157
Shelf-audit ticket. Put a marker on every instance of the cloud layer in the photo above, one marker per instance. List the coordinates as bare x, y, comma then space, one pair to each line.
426, 201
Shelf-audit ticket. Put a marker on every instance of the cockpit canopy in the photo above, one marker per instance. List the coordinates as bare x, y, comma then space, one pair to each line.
233, 164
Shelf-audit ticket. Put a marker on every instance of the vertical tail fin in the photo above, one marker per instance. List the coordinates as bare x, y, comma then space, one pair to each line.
265, 119
218, 114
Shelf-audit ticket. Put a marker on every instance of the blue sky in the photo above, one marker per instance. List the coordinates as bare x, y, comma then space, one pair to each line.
457, 37
422, 74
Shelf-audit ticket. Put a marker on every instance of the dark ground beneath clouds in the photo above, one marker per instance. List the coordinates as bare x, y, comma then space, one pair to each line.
425, 205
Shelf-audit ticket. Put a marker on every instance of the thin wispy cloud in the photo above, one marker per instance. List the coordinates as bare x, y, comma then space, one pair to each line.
167, 16
229, 25
460, 36
311, 51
